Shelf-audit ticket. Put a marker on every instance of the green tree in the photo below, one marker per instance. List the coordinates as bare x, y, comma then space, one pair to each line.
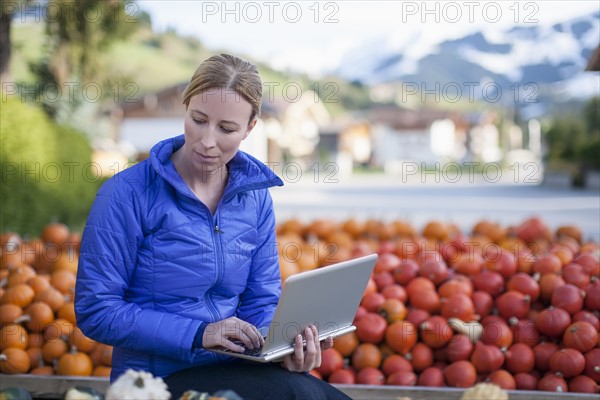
7, 11
589, 150
46, 171
565, 137
78, 35
574, 140
80, 31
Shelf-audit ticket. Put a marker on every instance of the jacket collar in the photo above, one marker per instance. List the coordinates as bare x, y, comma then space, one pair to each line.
245, 172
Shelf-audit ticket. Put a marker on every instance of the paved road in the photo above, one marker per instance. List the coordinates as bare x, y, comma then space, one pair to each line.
462, 203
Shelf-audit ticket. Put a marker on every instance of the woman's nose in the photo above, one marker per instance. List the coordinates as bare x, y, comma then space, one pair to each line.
208, 138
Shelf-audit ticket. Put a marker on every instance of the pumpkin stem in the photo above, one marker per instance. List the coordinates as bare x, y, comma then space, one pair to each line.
22, 318
139, 382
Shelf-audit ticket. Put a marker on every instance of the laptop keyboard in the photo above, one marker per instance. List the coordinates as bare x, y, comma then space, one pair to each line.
253, 352
248, 352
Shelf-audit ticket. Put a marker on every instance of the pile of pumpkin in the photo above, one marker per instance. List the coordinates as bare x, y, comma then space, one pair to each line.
518, 306
38, 331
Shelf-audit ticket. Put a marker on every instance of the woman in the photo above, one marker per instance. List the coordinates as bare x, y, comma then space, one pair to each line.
179, 253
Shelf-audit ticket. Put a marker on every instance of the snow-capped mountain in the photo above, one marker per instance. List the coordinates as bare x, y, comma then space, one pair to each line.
541, 56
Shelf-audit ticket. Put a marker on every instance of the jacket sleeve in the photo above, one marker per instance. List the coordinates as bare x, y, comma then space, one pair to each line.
110, 241
259, 300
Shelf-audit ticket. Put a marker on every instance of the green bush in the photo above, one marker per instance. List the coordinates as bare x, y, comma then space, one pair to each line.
46, 172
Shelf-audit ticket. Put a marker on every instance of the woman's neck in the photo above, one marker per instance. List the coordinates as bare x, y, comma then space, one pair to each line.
208, 186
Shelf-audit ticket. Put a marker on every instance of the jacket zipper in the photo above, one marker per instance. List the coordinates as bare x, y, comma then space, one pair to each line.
216, 231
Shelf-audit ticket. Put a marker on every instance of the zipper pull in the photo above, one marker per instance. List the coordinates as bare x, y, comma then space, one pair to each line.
217, 230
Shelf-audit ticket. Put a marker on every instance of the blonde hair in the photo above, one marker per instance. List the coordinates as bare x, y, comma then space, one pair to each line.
228, 72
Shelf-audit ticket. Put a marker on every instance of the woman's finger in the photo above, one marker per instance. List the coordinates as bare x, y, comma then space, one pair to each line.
293, 362
298, 357
311, 349
327, 343
233, 346
252, 336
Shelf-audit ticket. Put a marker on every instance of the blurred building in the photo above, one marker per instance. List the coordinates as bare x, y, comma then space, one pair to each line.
286, 129
423, 136
145, 121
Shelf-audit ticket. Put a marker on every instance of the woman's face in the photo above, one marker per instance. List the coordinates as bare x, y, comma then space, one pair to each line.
216, 122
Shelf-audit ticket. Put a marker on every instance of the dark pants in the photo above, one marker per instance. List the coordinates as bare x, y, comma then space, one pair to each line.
252, 381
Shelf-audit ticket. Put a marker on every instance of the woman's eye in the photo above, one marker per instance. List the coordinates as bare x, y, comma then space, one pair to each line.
226, 130
198, 122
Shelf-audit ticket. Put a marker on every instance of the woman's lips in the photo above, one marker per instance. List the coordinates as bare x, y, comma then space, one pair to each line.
206, 157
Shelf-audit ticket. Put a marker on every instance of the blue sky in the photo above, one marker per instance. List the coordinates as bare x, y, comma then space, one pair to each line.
313, 36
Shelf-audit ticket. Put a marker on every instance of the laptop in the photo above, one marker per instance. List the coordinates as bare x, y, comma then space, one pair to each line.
327, 297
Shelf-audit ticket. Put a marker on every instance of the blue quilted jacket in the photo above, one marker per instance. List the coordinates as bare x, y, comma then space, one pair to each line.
155, 263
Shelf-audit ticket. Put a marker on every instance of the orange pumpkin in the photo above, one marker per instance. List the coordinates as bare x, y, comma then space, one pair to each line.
106, 355
392, 310
10, 240
39, 283
401, 336
54, 350
58, 329
43, 370
403, 229
32, 252
366, 355
63, 280
14, 361
102, 371
36, 339
346, 344
37, 316
52, 297
56, 233
67, 312
75, 363
19, 274
35, 356
435, 230
21, 294
13, 335
81, 342
353, 228
67, 259
9, 313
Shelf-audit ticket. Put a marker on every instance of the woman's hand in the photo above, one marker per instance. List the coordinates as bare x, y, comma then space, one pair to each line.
303, 360
223, 333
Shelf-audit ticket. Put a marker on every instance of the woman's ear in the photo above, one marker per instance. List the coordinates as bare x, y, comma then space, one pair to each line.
251, 126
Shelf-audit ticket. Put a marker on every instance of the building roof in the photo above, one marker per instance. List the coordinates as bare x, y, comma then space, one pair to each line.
407, 119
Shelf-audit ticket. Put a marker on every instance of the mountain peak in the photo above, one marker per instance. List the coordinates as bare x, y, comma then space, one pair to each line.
534, 55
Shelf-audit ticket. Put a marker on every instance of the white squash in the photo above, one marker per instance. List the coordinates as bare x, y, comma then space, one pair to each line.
485, 391
138, 385
473, 330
